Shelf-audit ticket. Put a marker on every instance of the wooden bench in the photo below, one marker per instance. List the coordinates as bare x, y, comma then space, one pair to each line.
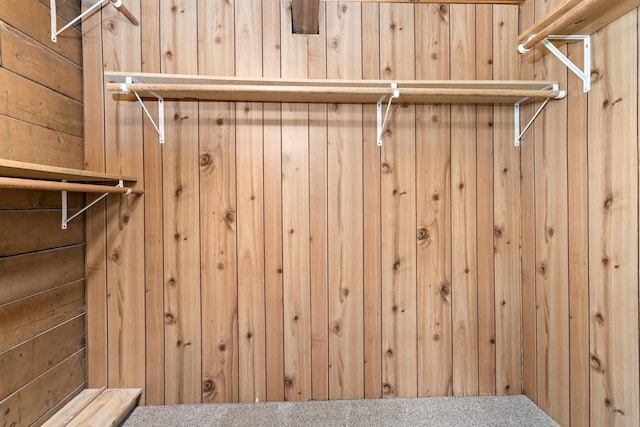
97, 407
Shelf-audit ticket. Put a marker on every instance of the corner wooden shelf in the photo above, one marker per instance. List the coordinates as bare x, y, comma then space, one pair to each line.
574, 20
576, 17
31, 176
190, 87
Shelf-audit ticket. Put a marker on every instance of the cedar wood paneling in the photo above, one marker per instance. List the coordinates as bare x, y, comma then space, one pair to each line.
430, 263
42, 272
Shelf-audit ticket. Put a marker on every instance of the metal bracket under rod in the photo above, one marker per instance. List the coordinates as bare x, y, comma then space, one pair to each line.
160, 125
65, 209
383, 121
516, 115
54, 18
585, 73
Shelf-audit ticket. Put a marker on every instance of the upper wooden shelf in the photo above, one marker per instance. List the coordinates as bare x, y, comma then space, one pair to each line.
573, 17
175, 86
15, 169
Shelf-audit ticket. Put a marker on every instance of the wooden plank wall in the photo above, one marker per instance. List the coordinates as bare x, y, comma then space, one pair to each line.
42, 267
580, 234
286, 256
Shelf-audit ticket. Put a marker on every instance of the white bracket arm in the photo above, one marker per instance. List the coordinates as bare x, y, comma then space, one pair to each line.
65, 208
54, 18
99, 4
516, 115
160, 125
383, 121
585, 73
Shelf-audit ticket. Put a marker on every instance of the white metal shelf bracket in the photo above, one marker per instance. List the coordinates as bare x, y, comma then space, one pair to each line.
65, 207
585, 73
158, 126
99, 4
519, 132
54, 18
382, 122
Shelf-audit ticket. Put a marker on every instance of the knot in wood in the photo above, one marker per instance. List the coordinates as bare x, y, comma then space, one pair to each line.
436, 196
445, 289
608, 202
115, 256
168, 318
171, 282
206, 159
386, 168
126, 219
222, 347
386, 388
423, 234
497, 232
346, 292
389, 352
336, 328
208, 386
229, 217
288, 382
596, 364
249, 335
599, 318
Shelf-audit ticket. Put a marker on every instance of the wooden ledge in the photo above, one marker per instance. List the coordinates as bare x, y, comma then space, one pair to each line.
97, 407
15, 169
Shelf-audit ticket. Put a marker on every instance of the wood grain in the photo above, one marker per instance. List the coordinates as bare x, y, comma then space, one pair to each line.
433, 210
484, 174
613, 211
506, 210
295, 225
464, 275
398, 202
345, 208
181, 207
273, 209
250, 199
56, 267
371, 204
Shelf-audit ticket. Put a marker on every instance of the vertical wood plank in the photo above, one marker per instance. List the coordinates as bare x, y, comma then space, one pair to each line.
94, 159
398, 201
551, 250
464, 276
506, 210
613, 212
371, 205
125, 214
154, 272
273, 208
346, 341
528, 225
578, 205
295, 222
250, 199
484, 165
317, 66
178, 41
218, 212
433, 164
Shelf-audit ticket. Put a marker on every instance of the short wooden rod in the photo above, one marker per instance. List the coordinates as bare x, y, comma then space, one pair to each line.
123, 9
553, 28
36, 184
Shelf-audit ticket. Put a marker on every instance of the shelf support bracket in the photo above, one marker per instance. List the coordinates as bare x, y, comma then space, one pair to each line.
583, 74
160, 125
66, 219
382, 122
516, 114
54, 18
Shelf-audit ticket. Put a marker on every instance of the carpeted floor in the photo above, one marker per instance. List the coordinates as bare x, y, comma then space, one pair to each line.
445, 411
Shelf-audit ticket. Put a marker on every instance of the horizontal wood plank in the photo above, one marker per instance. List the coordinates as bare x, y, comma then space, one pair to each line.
29, 59
14, 169
97, 406
28, 199
575, 17
26, 318
30, 231
25, 100
56, 408
25, 362
56, 267
27, 142
30, 402
32, 18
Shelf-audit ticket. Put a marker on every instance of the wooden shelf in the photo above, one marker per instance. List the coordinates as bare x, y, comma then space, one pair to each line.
174, 86
15, 169
573, 17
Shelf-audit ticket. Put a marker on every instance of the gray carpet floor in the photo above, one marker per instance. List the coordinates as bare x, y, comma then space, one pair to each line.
436, 411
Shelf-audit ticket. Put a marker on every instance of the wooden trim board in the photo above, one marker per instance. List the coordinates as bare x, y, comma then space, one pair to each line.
175, 86
15, 169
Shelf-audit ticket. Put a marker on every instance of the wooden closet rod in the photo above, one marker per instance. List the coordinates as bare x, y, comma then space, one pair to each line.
36, 184
559, 23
